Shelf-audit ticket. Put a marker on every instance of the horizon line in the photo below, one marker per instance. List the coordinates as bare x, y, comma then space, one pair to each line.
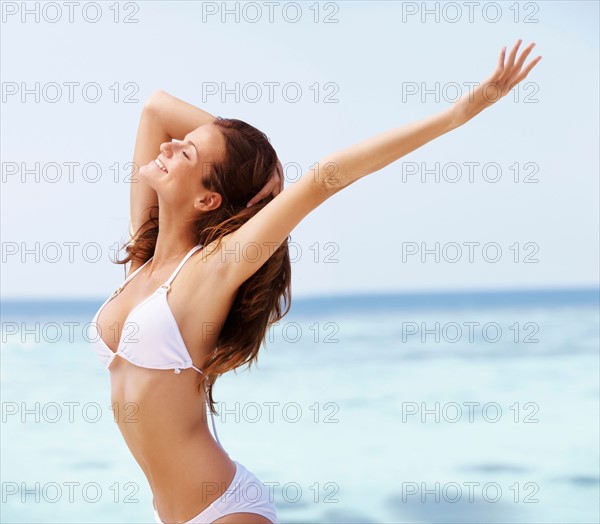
359, 294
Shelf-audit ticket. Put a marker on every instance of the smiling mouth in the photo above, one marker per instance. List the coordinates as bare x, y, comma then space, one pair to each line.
160, 165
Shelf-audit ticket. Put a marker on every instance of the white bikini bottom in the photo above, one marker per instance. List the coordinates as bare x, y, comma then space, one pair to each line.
245, 494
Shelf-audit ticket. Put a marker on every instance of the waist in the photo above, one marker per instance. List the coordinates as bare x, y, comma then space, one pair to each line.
164, 420
186, 476
155, 419
177, 453
157, 407
174, 455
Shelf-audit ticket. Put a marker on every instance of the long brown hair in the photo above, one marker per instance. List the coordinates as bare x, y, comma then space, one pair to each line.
265, 297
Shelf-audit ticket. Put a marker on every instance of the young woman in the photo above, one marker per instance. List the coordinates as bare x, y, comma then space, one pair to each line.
206, 278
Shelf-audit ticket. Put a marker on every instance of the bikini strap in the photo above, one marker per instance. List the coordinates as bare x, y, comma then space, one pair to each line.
120, 288
212, 418
167, 284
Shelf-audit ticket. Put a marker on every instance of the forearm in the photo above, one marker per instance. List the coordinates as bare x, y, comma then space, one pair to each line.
150, 136
176, 117
352, 163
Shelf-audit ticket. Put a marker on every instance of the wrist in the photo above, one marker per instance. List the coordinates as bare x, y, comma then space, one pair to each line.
456, 116
460, 114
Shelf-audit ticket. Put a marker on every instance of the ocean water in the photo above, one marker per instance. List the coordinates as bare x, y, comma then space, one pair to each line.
474, 407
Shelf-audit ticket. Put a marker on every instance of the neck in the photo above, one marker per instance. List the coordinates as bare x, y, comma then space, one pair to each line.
175, 239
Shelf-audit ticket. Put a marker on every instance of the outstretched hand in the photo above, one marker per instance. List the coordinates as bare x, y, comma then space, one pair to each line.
273, 186
506, 76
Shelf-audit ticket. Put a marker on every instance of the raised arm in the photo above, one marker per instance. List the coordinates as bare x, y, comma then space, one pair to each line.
248, 248
373, 154
164, 117
176, 117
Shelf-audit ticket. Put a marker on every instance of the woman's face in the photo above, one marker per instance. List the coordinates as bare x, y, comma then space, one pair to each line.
179, 179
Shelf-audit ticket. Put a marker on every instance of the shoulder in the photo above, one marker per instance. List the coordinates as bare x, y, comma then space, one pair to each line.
210, 259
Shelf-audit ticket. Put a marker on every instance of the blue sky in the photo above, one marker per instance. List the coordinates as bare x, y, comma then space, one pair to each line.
364, 64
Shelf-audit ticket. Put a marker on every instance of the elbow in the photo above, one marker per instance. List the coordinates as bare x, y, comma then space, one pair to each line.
158, 93
153, 100
330, 176
314, 188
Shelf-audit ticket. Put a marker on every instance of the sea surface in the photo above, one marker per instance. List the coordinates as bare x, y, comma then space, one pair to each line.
417, 408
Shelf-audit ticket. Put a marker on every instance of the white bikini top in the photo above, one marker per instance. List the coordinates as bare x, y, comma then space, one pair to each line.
153, 340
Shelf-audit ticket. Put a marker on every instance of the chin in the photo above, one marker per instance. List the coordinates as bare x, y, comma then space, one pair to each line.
147, 173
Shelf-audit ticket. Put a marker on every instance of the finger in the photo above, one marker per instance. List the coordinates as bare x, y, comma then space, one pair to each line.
500, 65
278, 178
511, 59
266, 190
524, 55
513, 53
278, 186
256, 198
523, 74
520, 62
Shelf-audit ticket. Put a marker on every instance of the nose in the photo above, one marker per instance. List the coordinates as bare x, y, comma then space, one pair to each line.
165, 148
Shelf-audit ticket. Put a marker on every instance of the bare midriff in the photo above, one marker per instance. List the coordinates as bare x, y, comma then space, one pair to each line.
164, 420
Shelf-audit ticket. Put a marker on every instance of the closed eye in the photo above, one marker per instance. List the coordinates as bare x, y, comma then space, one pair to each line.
186, 155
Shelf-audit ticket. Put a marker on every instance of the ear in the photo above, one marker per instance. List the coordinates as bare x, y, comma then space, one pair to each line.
209, 201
